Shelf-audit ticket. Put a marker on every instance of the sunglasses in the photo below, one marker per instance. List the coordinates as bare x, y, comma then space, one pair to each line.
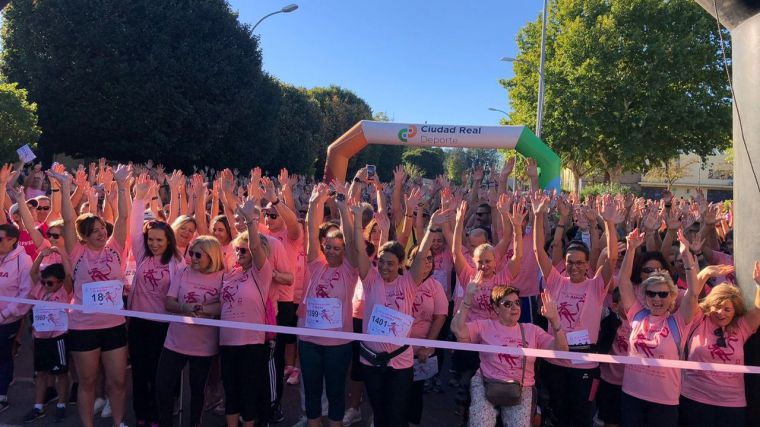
721, 341
650, 270
241, 251
43, 208
53, 235
272, 215
652, 294
49, 283
196, 255
481, 213
509, 304
429, 258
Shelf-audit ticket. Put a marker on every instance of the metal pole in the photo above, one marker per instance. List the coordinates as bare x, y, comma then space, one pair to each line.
265, 17
540, 112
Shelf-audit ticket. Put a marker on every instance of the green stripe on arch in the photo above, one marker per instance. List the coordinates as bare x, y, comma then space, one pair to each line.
529, 145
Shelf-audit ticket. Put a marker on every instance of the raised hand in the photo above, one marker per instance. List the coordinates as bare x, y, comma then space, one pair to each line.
717, 270
506, 170
5, 173
549, 309
142, 186
608, 209
413, 200
383, 221
249, 212
120, 174
563, 208
504, 205
399, 175
519, 212
539, 202
440, 217
635, 239
461, 212
477, 174
531, 169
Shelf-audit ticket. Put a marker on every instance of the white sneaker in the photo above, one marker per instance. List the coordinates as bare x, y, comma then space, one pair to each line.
99, 404
294, 377
352, 416
302, 422
106, 412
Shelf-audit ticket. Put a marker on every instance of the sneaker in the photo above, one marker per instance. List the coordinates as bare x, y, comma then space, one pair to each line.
60, 414
99, 404
73, 394
277, 416
4, 405
50, 395
288, 370
106, 412
352, 416
294, 377
33, 415
303, 422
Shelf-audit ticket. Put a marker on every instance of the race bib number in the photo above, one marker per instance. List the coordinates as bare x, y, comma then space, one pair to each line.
50, 319
324, 313
103, 294
424, 371
578, 337
129, 274
389, 322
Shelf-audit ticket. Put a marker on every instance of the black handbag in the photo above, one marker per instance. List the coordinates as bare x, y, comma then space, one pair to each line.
506, 393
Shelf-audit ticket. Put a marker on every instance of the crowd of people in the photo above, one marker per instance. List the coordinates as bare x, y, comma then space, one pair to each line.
476, 262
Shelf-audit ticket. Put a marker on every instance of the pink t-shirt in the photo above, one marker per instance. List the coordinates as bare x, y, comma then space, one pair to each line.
716, 388
191, 287
428, 302
278, 258
651, 338
507, 367
527, 280
15, 281
580, 310
95, 266
329, 282
296, 257
443, 264
40, 293
229, 256
613, 372
481, 302
398, 295
243, 296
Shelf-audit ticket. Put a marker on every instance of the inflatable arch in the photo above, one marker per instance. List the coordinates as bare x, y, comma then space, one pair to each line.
519, 138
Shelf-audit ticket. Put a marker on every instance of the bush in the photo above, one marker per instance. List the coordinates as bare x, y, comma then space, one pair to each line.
597, 189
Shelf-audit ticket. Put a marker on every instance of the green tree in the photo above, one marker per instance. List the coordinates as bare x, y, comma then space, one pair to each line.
429, 161
297, 131
628, 83
461, 160
340, 109
18, 121
176, 81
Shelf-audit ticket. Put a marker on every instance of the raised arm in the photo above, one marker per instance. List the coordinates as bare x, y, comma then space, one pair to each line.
516, 219
199, 196
559, 232
540, 204
288, 216
418, 264
459, 322
28, 220
412, 206
549, 311
251, 214
314, 217
608, 213
503, 208
120, 226
627, 296
690, 302
363, 262
531, 169
175, 181
67, 210
399, 177
456, 244
5, 174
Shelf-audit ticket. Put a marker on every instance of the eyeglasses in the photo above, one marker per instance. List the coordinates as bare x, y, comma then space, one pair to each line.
721, 341
650, 270
509, 304
196, 255
43, 208
53, 235
49, 283
241, 251
272, 215
652, 294
574, 263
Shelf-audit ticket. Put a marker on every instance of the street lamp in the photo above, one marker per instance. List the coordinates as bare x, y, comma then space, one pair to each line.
540, 108
499, 111
287, 9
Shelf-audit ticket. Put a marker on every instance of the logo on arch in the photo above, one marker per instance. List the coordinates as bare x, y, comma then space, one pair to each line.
407, 133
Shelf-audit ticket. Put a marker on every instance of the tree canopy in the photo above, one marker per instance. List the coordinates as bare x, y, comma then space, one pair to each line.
18, 121
629, 83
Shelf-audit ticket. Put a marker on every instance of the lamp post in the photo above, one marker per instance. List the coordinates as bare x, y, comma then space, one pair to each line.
499, 111
287, 9
540, 108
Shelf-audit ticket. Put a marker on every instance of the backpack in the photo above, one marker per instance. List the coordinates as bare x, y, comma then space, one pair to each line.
672, 325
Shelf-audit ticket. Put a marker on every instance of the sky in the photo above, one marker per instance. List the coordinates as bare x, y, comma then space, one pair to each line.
417, 61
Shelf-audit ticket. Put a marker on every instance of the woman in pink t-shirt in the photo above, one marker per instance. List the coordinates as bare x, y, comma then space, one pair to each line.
388, 307
505, 331
154, 249
719, 332
194, 292
650, 393
184, 228
328, 290
98, 281
244, 354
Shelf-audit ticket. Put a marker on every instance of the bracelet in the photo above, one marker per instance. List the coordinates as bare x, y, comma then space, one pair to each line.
154, 198
55, 190
359, 180
435, 230
276, 202
466, 305
409, 216
560, 225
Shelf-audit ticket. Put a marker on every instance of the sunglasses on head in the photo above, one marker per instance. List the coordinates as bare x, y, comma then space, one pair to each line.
53, 235
721, 341
272, 215
662, 294
649, 270
241, 251
509, 304
194, 254
43, 208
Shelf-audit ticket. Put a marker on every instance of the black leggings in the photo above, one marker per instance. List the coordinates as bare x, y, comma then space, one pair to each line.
414, 411
146, 340
388, 391
170, 366
696, 414
244, 374
637, 412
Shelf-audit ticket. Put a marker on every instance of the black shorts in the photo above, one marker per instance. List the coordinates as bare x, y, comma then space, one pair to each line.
50, 355
608, 401
286, 316
93, 339
356, 365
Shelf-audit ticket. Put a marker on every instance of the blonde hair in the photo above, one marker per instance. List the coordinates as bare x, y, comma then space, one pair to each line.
485, 247
242, 240
211, 246
720, 294
182, 220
